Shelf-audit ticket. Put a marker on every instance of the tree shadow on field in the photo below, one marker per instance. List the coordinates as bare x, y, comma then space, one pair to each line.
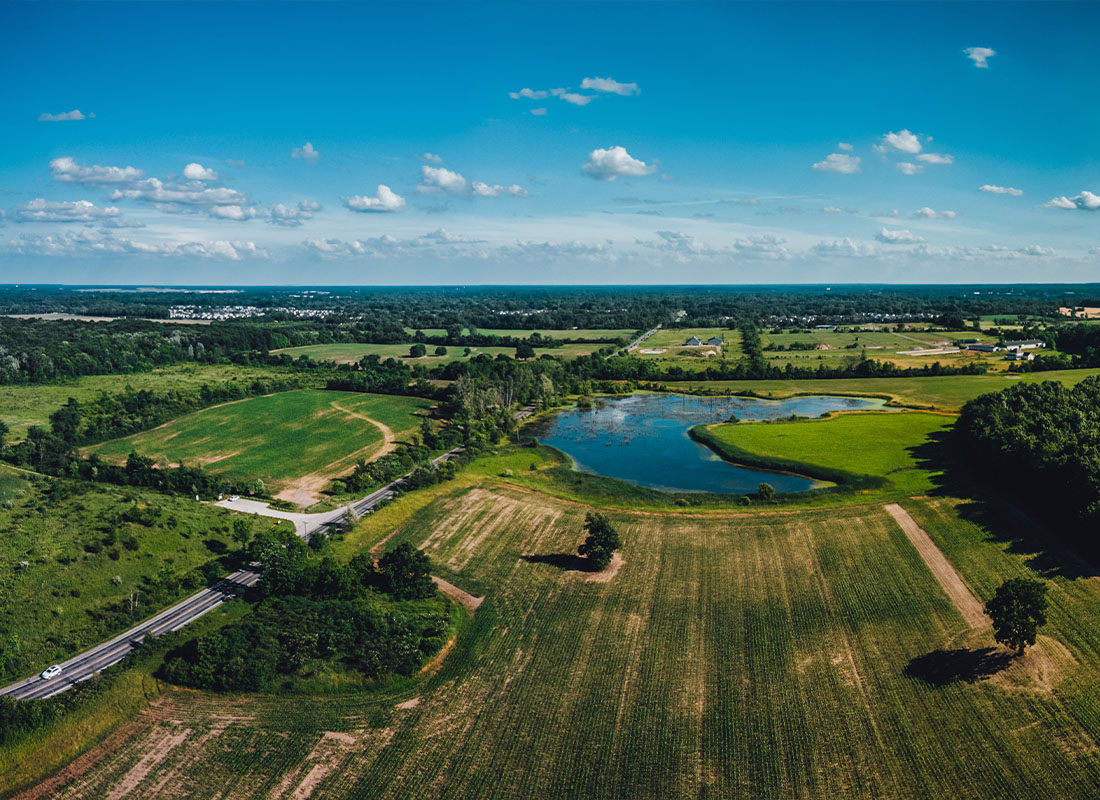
996, 513
943, 667
563, 561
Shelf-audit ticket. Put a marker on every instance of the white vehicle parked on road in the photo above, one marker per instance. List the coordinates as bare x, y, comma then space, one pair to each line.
51, 672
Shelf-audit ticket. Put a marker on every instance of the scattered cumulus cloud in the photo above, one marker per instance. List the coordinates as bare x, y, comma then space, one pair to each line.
900, 236
293, 217
65, 116
66, 170
611, 86
440, 180
903, 141
843, 248
233, 212
539, 112
908, 168
529, 94
169, 196
496, 190
930, 213
431, 158
306, 153
577, 99
613, 162
40, 210
197, 172
936, 158
102, 242
838, 162
844, 146
980, 56
992, 189
1086, 201
384, 199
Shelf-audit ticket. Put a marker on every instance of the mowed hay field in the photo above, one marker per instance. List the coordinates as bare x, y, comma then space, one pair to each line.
755, 655
291, 439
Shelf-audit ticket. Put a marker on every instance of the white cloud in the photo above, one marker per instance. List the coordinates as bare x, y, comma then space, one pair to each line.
1037, 250
577, 99
431, 158
384, 199
902, 141
197, 172
293, 217
102, 242
66, 170
844, 146
980, 56
929, 213
233, 212
306, 153
440, 180
909, 169
496, 190
609, 164
611, 86
539, 112
529, 94
936, 158
167, 195
66, 116
992, 189
119, 222
898, 236
838, 162
766, 246
844, 248
1086, 201
40, 210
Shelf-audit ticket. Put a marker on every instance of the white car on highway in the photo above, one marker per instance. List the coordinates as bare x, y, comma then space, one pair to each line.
51, 672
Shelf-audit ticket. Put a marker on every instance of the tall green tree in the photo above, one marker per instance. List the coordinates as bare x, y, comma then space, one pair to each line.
601, 543
1017, 610
407, 572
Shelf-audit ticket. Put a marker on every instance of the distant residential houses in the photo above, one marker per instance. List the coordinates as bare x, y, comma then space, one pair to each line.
695, 341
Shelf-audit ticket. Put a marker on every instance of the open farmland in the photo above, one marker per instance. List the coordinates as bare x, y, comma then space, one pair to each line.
832, 348
945, 393
754, 655
23, 406
295, 442
350, 353
667, 347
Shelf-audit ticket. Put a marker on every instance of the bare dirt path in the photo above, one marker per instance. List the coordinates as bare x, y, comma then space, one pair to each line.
458, 595
306, 490
967, 604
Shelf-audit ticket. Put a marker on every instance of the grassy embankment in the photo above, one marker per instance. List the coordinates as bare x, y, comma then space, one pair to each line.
23, 406
290, 439
744, 655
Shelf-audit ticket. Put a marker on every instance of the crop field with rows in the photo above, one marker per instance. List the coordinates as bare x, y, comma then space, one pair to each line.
740, 655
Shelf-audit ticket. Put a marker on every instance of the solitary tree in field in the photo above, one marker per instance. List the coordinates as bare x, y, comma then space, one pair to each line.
601, 543
418, 351
441, 350
1017, 610
242, 531
524, 351
765, 492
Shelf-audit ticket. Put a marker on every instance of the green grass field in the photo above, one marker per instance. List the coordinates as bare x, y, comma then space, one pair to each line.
23, 406
290, 440
349, 353
86, 548
946, 393
584, 334
868, 444
674, 354
747, 655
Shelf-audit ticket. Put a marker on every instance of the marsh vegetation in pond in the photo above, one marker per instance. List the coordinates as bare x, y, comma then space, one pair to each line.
643, 439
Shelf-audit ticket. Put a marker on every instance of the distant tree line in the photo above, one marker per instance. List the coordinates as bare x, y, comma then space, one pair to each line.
1040, 443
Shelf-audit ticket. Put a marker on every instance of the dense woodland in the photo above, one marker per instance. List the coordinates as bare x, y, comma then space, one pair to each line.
1040, 444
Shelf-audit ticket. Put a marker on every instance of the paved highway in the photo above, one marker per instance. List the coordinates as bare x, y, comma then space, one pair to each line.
642, 338
83, 666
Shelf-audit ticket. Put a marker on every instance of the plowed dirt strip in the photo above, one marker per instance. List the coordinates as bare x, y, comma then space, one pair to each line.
968, 605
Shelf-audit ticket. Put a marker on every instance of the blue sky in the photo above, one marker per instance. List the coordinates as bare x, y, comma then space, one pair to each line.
657, 143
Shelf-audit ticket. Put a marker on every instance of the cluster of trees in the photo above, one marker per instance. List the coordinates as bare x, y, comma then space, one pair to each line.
413, 460
313, 610
1040, 442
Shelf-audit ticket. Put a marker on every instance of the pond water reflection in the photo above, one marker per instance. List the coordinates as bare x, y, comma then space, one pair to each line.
643, 439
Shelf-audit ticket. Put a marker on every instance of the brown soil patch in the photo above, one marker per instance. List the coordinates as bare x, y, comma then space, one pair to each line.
608, 572
409, 704
172, 738
458, 595
967, 604
1040, 669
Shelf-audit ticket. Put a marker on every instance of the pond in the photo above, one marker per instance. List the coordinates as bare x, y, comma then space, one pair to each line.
643, 439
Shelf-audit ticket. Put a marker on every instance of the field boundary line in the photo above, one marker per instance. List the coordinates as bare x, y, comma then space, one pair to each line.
945, 574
